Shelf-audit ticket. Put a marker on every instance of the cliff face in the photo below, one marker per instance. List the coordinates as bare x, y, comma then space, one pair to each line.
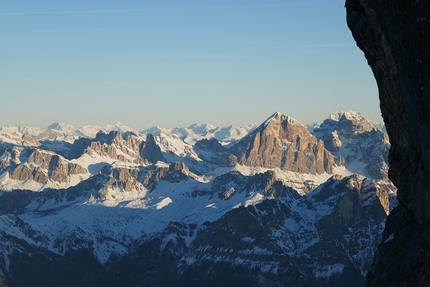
395, 38
43, 166
282, 142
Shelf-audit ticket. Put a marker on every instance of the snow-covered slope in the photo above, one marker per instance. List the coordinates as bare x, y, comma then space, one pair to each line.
57, 132
197, 132
112, 202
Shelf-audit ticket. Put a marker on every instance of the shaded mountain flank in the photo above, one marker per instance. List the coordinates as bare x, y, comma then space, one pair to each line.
395, 38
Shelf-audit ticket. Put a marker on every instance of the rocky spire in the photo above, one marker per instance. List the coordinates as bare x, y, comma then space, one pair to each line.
150, 150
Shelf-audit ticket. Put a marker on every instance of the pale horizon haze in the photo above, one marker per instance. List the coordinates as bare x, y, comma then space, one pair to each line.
172, 63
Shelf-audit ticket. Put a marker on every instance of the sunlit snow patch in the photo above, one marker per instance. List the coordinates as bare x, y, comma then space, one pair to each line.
163, 203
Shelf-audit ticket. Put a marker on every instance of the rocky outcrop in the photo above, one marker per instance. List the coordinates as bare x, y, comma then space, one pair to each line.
122, 147
129, 178
150, 151
233, 182
354, 141
113, 145
175, 172
29, 141
212, 151
123, 178
282, 142
394, 35
323, 238
42, 166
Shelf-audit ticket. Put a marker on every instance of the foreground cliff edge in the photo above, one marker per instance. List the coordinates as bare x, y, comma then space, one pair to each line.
395, 38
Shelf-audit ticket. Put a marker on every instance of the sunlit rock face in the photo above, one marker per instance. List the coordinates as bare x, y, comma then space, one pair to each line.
394, 36
43, 166
282, 142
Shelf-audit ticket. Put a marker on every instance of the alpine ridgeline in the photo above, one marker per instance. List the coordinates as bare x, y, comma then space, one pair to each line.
394, 36
277, 204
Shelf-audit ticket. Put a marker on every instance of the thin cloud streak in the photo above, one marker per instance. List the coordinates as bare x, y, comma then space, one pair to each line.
62, 79
299, 46
148, 9
197, 56
321, 46
186, 55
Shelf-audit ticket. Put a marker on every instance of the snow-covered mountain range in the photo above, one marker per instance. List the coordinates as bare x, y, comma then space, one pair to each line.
276, 204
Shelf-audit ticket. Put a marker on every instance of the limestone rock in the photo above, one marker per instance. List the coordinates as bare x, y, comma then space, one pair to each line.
293, 244
363, 148
282, 142
233, 182
394, 36
175, 172
29, 141
123, 178
42, 166
178, 171
150, 150
212, 151
125, 148
11, 158
152, 176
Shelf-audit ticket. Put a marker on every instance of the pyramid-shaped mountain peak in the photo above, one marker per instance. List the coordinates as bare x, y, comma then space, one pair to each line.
277, 116
282, 142
59, 126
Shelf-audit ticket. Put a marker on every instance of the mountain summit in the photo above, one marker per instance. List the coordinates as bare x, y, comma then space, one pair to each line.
282, 142
356, 143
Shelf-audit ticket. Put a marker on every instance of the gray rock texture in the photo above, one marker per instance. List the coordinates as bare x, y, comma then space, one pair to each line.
43, 166
355, 143
395, 38
150, 150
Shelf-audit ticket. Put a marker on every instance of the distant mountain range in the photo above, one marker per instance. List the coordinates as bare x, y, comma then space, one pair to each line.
276, 204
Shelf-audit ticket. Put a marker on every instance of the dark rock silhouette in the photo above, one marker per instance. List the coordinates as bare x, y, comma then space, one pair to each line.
395, 38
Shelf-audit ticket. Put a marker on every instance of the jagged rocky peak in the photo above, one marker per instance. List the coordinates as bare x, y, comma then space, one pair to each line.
347, 123
355, 141
282, 142
277, 120
109, 137
150, 150
42, 166
210, 145
357, 194
121, 177
122, 146
179, 166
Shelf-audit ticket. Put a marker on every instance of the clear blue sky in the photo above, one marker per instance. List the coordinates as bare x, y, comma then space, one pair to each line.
170, 63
